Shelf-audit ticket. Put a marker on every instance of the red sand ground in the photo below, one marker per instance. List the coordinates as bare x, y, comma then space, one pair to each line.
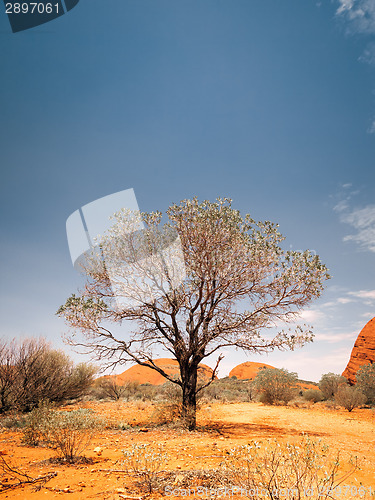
220, 427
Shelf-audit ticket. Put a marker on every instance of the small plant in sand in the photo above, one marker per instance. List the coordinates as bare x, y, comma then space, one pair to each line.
273, 470
146, 462
36, 424
350, 397
70, 432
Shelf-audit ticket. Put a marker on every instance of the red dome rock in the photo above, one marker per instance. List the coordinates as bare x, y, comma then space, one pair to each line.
363, 351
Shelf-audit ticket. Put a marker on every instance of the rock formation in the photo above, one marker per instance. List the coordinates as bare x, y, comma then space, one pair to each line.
247, 370
145, 375
363, 351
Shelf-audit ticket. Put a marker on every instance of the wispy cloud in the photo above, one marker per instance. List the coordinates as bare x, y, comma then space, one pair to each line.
332, 338
360, 15
368, 55
311, 315
361, 219
371, 129
364, 294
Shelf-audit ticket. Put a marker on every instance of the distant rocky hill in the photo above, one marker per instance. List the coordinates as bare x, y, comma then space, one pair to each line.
247, 370
145, 375
363, 351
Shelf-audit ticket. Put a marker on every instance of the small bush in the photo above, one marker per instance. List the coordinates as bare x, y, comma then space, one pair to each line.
67, 432
70, 432
36, 424
330, 383
146, 462
275, 385
13, 422
350, 397
104, 388
313, 395
366, 381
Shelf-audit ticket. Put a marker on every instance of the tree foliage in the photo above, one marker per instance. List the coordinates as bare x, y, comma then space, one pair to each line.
234, 283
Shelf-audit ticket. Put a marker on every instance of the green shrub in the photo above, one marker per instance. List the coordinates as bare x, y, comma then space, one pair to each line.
366, 381
313, 395
275, 385
329, 384
349, 397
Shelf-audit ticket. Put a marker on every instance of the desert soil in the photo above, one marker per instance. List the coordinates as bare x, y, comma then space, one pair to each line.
220, 427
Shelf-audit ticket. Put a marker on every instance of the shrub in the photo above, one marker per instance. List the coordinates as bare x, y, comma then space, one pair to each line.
146, 462
313, 395
285, 470
366, 381
349, 397
275, 385
31, 371
169, 409
229, 389
329, 384
36, 424
67, 432
108, 388
70, 432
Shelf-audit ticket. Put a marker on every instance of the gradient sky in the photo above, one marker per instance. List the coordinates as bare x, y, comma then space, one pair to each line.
268, 102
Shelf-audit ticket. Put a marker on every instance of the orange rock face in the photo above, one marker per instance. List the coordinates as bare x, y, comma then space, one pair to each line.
247, 370
145, 375
363, 351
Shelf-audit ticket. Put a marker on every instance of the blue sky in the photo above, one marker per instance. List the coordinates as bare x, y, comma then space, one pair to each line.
270, 103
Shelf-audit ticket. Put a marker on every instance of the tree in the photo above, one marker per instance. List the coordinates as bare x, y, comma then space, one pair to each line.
366, 381
275, 384
349, 397
234, 281
330, 383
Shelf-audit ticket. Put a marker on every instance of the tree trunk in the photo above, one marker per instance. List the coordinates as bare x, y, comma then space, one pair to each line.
189, 376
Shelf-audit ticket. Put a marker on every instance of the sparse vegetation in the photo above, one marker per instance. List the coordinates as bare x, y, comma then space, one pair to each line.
270, 469
36, 424
145, 461
70, 432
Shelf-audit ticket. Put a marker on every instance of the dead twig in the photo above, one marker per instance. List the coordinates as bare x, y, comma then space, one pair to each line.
21, 477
